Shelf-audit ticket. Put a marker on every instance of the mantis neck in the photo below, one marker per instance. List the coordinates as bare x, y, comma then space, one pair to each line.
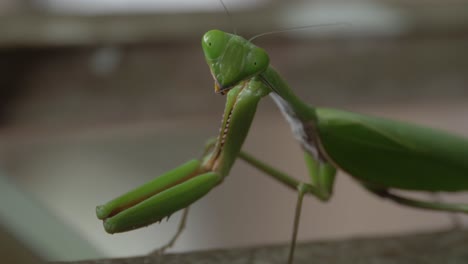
287, 100
300, 116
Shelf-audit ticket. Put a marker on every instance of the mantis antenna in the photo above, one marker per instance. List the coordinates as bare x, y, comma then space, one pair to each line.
229, 16
298, 28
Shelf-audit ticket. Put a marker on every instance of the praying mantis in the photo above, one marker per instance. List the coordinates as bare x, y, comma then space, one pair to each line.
382, 155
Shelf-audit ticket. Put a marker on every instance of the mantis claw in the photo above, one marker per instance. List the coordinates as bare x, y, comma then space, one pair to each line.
157, 199
179, 188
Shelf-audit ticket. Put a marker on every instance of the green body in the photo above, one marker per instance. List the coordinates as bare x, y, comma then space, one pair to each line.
392, 154
381, 154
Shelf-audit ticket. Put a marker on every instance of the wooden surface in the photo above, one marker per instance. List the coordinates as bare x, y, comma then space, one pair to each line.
448, 247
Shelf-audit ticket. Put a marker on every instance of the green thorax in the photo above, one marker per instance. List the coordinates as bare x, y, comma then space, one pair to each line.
289, 101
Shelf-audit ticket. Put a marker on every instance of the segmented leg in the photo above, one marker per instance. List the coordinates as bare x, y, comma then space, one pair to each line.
454, 217
322, 179
301, 190
447, 207
180, 229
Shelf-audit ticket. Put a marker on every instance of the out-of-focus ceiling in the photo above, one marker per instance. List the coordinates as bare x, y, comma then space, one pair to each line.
64, 22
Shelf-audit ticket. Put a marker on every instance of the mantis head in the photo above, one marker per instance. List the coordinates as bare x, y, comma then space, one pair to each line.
232, 59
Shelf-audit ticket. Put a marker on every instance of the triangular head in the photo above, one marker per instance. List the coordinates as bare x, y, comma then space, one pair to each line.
232, 59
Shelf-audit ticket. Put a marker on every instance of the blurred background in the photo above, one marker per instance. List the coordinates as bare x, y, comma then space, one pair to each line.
97, 97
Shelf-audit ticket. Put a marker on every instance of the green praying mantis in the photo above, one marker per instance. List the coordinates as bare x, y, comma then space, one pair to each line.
382, 155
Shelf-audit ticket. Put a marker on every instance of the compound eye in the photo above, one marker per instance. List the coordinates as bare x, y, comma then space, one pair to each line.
214, 43
258, 61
